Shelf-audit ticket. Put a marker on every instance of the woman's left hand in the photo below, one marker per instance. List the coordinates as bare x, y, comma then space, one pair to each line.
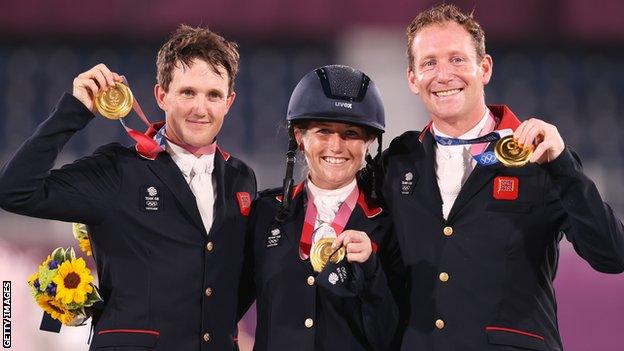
357, 244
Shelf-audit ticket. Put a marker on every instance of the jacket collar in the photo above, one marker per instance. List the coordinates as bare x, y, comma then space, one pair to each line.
503, 114
370, 208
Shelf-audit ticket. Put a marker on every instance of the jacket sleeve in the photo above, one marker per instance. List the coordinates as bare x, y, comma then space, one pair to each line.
75, 192
588, 222
381, 295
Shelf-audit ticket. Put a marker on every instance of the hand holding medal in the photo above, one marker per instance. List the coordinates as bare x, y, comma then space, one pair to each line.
95, 82
357, 244
322, 252
116, 102
101, 89
543, 137
353, 244
107, 92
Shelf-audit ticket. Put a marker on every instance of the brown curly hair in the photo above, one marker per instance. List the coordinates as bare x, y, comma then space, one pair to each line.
441, 14
188, 43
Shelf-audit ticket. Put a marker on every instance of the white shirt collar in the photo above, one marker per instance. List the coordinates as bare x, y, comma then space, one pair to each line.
185, 160
328, 202
340, 193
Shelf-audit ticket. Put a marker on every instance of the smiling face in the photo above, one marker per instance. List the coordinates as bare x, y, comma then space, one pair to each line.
195, 104
334, 152
447, 74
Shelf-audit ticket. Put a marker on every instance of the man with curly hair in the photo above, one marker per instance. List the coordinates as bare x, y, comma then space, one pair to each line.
166, 222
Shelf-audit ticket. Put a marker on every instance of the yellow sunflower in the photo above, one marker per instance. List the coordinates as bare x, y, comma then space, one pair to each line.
73, 281
85, 246
54, 308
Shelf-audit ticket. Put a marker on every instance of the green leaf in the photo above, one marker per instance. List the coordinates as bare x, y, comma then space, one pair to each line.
58, 255
70, 254
72, 306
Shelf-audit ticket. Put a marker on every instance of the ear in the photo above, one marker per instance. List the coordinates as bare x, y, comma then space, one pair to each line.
229, 101
159, 94
299, 138
412, 81
486, 69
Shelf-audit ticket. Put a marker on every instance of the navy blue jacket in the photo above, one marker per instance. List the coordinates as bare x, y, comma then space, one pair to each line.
166, 283
298, 309
483, 278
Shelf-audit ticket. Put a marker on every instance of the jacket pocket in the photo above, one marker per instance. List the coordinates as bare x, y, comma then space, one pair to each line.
126, 337
515, 337
509, 206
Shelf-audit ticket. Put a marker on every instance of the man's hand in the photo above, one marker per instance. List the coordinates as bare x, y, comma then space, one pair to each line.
541, 135
88, 84
358, 245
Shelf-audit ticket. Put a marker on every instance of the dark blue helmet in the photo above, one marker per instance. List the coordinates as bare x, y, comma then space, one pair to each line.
337, 93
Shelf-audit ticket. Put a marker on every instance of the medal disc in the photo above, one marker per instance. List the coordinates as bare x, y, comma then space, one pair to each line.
510, 154
116, 102
322, 251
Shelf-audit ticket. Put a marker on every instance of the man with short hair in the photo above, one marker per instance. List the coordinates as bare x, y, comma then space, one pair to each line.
480, 239
167, 217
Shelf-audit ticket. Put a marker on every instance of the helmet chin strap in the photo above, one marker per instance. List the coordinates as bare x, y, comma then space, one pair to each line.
287, 185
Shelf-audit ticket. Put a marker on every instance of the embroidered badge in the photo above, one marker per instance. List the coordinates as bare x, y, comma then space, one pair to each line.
274, 237
333, 278
407, 183
244, 202
506, 188
340, 275
150, 198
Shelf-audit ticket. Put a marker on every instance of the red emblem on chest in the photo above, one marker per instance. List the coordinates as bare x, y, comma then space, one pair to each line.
506, 188
244, 202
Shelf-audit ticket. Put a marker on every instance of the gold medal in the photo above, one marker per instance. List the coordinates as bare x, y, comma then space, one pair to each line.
116, 102
511, 154
322, 251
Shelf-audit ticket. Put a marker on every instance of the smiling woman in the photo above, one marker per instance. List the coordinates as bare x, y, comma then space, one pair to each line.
322, 258
334, 152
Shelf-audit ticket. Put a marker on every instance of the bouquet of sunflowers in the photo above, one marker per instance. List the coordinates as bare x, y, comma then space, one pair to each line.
63, 287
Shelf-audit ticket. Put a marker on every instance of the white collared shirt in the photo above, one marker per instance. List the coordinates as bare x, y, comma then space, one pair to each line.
328, 202
454, 163
185, 161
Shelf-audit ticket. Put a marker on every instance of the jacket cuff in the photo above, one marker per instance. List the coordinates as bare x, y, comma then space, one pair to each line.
564, 165
370, 266
69, 104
